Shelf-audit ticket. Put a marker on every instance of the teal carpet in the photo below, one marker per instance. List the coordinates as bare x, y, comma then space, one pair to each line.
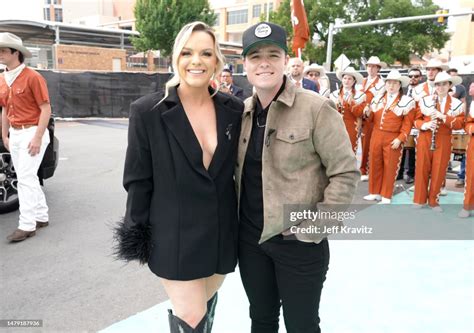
413, 274
453, 198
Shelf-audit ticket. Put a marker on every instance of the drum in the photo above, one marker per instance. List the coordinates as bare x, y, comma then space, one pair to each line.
459, 142
411, 140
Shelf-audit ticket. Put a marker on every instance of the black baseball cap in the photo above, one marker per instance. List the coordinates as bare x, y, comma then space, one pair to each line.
264, 32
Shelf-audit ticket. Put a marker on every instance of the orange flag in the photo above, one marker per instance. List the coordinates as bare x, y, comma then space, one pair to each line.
300, 26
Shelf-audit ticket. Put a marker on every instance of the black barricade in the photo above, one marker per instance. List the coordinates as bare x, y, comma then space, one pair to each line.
92, 94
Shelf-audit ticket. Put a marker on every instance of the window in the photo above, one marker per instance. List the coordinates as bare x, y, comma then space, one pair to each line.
257, 10
218, 18
58, 14
237, 17
47, 2
265, 7
46, 14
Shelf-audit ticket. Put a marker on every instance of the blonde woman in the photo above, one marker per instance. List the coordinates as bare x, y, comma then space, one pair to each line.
181, 214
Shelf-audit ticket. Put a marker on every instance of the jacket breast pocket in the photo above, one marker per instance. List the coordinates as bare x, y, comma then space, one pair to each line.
293, 149
293, 135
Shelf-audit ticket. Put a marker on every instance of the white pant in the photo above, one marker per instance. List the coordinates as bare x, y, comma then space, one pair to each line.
32, 200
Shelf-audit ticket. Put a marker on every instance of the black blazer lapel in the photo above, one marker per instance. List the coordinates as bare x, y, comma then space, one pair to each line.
228, 121
178, 124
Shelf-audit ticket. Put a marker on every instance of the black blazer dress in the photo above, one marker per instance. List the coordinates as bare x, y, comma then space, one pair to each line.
180, 218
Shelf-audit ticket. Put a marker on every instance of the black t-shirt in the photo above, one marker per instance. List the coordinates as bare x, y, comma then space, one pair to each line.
251, 199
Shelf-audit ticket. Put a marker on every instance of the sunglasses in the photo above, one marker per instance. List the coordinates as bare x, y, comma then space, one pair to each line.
313, 74
414, 76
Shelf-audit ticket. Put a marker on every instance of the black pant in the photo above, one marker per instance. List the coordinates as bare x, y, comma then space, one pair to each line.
411, 163
286, 272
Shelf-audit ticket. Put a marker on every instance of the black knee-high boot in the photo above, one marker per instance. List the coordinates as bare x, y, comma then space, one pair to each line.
211, 309
177, 325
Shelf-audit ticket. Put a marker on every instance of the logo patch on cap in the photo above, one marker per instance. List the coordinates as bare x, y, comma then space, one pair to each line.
263, 30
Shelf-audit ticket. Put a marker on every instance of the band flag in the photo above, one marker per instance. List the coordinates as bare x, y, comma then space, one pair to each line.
300, 25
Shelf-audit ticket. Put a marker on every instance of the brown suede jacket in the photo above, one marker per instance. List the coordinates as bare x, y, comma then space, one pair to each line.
307, 159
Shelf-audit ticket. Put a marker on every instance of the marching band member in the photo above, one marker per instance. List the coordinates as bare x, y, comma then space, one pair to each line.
433, 67
469, 179
350, 103
439, 114
317, 74
371, 86
392, 115
415, 76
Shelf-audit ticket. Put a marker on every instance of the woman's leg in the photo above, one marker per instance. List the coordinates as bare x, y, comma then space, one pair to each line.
213, 283
376, 167
391, 159
189, 299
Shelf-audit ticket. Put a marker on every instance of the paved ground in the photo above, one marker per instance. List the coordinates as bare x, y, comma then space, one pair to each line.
65, 275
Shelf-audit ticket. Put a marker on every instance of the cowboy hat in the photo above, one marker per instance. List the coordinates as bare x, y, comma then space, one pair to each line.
445, 77
352, 72
396, 76
315, 68
376, 61
436, 63
12, 41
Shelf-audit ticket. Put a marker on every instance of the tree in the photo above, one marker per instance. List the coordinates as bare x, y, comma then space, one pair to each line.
391, 42
159, 21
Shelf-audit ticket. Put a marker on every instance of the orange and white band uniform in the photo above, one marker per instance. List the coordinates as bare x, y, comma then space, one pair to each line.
431, 166
325, 92
422, 90
392, 117
469, 180
350, 104
371, 88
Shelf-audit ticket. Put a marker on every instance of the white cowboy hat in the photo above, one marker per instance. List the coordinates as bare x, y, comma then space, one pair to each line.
376, 61
445, 77
315, 68
10, 40
436, 63
395, 75
352, 72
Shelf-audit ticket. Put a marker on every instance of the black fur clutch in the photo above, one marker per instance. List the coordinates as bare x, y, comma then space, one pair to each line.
132, 241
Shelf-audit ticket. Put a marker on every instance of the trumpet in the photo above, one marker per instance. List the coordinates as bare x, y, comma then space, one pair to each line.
435, 130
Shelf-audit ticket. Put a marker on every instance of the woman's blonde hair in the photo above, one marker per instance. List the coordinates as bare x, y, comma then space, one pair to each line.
181, 40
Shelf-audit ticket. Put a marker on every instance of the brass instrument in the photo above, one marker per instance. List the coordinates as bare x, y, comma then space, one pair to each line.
433, 135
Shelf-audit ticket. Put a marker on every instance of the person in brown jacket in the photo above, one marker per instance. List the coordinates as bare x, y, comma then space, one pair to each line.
392, 114
438, 115
350, 103
293, 151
